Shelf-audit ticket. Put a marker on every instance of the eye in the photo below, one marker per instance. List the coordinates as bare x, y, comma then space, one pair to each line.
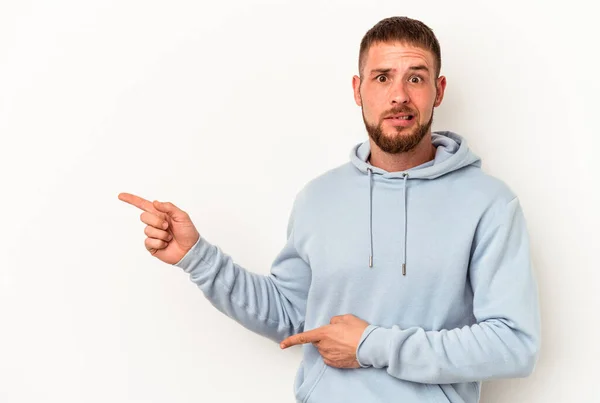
415, 79
381, 76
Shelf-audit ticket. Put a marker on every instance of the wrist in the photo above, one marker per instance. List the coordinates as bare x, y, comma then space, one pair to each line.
374, 347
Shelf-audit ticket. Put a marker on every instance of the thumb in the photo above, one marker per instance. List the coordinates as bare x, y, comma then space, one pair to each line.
170, 209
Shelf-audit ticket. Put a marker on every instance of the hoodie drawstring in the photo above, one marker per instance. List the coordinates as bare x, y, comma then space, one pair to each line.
370, 217
405, 176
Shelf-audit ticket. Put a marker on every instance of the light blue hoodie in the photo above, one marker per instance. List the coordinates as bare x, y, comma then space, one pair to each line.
464, 310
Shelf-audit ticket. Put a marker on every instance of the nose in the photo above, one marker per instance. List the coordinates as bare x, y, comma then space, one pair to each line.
399, 94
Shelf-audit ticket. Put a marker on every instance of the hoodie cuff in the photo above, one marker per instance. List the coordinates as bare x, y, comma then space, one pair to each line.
201, 255
374, 347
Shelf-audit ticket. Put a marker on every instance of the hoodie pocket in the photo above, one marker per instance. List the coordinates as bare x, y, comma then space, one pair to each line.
467, 392
311, 380
343, 385
436, 394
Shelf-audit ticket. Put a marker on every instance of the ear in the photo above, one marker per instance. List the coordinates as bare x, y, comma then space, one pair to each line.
356, 89
440, 87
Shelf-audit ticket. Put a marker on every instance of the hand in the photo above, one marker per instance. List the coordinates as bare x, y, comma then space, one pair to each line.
337, 342
171, 233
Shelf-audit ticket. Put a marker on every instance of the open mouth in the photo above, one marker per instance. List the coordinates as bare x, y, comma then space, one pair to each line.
401, 117
399, 120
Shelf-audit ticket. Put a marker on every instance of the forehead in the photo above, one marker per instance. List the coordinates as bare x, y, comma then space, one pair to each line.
387, 53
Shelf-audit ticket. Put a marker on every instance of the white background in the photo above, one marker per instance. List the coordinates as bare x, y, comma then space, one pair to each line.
227, 109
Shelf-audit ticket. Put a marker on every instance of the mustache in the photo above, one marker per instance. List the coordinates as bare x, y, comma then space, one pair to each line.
395, 111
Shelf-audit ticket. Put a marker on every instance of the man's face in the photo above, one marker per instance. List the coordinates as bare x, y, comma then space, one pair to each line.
397, 93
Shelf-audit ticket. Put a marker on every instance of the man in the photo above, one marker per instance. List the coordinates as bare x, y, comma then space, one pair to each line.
406, 274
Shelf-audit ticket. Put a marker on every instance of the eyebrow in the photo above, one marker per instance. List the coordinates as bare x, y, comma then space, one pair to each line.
418, 67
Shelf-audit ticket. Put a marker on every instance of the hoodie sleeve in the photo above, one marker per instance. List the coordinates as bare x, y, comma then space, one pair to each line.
271, 305
505, 341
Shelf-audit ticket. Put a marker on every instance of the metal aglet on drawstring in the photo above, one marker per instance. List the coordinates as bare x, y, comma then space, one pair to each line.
405, 176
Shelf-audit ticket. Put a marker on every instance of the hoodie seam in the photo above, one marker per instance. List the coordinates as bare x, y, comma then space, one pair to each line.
493, 219
499, 212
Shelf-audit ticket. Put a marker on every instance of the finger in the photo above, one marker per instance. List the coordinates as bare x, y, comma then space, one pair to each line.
137, 202
172, 210
154, 221
153, 232
154, 245
302, 338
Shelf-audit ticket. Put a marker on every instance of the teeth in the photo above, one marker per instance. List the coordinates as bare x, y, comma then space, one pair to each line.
402, 117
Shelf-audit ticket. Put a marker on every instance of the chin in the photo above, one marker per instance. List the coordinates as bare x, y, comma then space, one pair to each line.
404, 132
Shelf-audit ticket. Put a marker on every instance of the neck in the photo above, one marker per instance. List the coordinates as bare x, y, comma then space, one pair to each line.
423, 152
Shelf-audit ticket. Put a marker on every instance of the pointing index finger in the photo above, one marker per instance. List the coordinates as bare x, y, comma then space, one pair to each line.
137, 202
302, 338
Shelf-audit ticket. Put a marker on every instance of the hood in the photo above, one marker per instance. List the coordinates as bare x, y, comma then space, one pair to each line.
452, 154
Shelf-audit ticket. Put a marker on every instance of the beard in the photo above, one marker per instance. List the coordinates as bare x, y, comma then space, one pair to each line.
404, 141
